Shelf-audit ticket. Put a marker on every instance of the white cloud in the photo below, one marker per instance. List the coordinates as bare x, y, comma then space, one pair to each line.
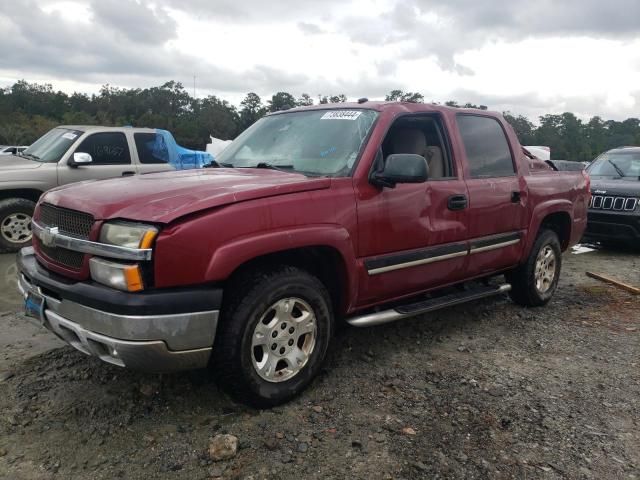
528, 57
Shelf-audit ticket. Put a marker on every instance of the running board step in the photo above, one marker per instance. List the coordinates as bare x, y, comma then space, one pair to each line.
426, 306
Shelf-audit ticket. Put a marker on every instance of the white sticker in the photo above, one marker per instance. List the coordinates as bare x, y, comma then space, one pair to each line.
70, 136
341, 115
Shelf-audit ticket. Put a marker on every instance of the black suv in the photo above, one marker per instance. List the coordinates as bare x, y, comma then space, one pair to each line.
614, 211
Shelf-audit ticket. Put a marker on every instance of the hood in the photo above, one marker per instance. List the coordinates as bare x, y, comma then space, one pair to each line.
13, 162
625, 188
164, 197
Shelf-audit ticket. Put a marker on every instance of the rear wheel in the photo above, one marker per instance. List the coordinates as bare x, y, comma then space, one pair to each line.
273, 335
534, 283
15, 224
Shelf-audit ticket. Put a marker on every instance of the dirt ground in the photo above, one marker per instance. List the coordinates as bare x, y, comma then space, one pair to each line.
485, 390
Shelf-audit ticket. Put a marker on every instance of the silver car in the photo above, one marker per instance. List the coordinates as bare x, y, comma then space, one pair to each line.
69, 154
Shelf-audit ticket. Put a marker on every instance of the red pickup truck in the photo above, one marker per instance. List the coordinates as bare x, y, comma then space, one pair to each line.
369, 212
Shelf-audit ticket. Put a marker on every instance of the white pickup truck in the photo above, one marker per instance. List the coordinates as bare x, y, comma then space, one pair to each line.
70, 154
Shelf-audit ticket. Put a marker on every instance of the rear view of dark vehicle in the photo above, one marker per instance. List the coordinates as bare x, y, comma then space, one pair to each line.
614, 211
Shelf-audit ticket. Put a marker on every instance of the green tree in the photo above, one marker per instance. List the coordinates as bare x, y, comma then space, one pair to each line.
251, 110
523, 127
342, 98
401, 96
280, 101
305, 100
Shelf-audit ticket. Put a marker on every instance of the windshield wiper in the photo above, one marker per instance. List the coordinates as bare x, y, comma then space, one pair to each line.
30, 155
618, 169
271, 166
216, 164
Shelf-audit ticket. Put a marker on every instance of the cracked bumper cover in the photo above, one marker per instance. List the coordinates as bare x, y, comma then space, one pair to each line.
158, 331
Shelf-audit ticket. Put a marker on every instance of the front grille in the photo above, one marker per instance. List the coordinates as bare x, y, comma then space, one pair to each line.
620, 204
65, 257
69, 222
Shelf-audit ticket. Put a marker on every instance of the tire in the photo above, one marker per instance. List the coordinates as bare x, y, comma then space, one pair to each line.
251, 364
534, 282
15, 224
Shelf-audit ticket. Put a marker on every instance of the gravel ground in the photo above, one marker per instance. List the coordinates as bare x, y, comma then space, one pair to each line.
485, 390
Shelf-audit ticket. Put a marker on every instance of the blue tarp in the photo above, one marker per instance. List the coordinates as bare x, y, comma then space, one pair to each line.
165, 147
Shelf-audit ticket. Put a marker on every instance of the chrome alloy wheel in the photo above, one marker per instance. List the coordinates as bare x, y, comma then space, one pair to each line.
545, 272
16, 228
283, 340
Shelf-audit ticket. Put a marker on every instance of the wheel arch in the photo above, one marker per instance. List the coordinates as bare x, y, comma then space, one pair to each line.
31, 194
325, 252
555, 215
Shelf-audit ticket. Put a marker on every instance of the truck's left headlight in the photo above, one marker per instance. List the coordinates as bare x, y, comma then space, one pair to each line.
131, 235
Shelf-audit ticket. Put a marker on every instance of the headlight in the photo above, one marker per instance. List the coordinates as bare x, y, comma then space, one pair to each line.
122, 276
131, 235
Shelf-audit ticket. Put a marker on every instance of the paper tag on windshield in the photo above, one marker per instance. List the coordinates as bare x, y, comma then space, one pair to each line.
70, 136
341, 115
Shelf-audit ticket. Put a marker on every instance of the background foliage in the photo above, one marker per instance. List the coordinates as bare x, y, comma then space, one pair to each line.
28, 110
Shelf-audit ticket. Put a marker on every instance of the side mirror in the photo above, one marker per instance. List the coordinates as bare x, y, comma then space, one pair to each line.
402, 168
79, 159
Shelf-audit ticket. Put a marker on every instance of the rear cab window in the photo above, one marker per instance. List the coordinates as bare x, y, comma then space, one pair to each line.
151, 148
486, 146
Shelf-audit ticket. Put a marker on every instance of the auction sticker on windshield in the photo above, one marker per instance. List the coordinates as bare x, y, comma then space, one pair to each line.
341, 115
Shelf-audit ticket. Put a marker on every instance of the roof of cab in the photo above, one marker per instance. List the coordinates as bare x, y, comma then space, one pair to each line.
382, 106
90, 128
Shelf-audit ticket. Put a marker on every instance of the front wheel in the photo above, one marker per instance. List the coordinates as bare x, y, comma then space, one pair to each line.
273, 335
534, 283
15, 224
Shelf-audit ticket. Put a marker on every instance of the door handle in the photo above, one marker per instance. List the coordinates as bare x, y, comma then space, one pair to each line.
128, 173
515, 197
457, 202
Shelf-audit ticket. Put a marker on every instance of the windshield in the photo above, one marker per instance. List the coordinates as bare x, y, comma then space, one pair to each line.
312, 142
52, 145
621, 164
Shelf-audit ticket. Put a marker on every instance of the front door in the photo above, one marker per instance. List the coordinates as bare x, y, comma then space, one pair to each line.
110, 154
412, 237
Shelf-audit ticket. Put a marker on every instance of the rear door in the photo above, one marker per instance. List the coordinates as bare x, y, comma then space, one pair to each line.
496, 212
110, 154
152, 152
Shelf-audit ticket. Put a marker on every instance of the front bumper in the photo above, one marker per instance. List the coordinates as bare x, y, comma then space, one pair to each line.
161, 331
617, 226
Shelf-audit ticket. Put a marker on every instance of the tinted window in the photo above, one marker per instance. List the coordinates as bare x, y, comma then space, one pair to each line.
486, 146
106, 148
151, 148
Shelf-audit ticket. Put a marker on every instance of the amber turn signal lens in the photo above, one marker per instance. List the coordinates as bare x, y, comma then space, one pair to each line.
123, 276
148, 238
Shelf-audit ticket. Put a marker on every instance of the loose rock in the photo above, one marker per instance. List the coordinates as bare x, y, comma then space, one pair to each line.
223, 447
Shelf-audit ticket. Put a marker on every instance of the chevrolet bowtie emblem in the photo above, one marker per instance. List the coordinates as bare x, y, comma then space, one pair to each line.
47, 236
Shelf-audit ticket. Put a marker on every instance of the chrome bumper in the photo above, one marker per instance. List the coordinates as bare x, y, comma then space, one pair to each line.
150, 343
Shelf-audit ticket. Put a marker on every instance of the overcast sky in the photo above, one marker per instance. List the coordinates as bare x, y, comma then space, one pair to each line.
527, 56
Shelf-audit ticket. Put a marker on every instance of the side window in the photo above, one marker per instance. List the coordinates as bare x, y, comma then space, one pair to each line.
486, 145
151, 148
420, 135
106, 148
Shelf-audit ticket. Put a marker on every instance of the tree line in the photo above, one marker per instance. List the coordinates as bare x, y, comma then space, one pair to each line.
28, 110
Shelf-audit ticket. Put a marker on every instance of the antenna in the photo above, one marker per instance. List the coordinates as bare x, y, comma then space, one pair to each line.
194, 86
